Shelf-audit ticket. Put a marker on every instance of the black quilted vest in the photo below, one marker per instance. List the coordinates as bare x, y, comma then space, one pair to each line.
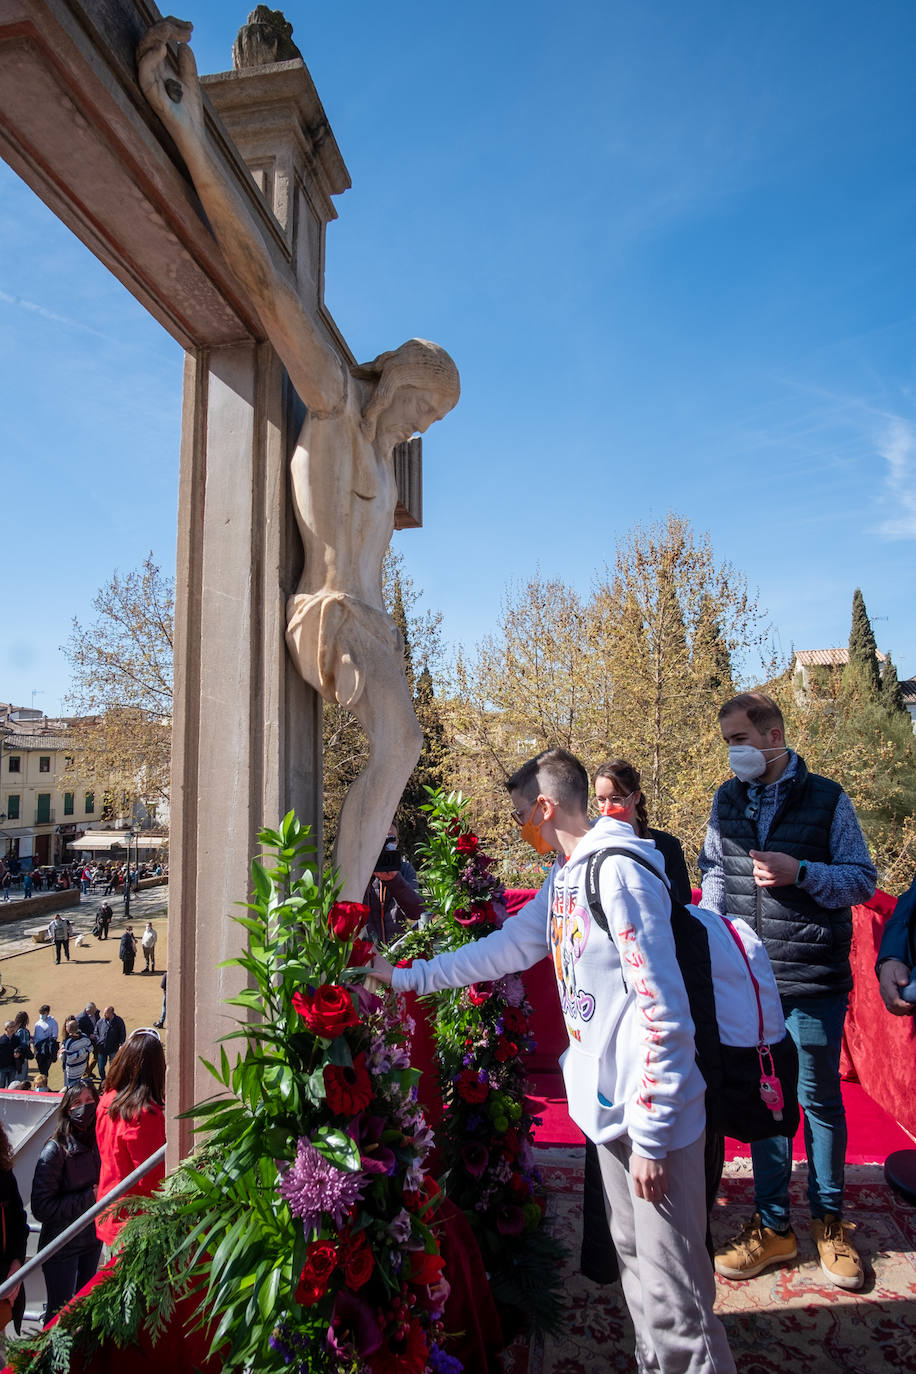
808, 944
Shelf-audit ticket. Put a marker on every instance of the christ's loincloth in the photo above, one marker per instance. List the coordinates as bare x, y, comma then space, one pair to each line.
334, 638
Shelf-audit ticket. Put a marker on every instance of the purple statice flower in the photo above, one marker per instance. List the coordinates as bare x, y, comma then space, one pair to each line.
400, 1227
400, 1059
442, 1363
314, 1187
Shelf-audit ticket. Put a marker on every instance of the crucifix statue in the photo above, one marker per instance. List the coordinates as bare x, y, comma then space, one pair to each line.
340, 637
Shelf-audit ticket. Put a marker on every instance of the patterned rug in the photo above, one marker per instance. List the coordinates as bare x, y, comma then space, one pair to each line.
783, 1321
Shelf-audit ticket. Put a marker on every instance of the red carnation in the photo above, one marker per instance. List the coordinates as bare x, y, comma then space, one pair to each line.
404, 963
514, 1020
349, 1091
327, 1011
506, 1049
480, 993
362, 953
423, 1268
346, 918
356, 1260
320, 1263
404, 1355
467, 843
471, 1088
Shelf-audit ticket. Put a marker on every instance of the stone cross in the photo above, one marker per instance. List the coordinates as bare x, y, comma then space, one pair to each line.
75, 124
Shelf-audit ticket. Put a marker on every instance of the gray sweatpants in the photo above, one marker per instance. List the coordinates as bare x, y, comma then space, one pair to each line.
668, 1281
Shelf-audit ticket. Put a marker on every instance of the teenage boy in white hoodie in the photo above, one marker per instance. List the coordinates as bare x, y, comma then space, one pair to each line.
630, 1073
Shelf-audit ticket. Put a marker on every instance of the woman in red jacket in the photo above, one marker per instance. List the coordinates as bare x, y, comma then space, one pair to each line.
131, 1122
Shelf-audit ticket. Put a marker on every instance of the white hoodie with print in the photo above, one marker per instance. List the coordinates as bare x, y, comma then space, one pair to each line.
630, 1066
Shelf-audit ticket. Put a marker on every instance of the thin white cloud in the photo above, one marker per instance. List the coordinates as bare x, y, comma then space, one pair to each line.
897, 447
22, 304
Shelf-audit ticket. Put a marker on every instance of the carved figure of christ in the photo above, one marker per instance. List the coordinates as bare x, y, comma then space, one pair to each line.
340, 636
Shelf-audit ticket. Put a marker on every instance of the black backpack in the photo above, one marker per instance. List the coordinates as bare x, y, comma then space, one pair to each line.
737, 1076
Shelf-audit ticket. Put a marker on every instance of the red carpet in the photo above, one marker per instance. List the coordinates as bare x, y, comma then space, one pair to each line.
873, 1134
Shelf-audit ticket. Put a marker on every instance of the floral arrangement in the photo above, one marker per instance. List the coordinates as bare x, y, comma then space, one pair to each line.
481, 1034
304, 1222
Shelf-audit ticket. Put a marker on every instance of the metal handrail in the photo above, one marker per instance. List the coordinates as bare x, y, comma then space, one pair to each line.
81, 1223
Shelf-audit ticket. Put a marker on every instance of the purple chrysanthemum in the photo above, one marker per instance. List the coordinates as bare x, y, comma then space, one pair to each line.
315, 1188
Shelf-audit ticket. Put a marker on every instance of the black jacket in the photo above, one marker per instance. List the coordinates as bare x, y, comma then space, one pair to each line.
669, 846
808, 944
110, 1035
63, 1189
897, 939
15, 1233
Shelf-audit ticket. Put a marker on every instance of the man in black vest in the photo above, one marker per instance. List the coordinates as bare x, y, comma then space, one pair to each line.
784, 851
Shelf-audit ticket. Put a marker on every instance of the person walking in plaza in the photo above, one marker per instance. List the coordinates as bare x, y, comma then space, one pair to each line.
127, 952
163, 983
104, 917
27, 885
60, 931
46, 1039
131, 1122
630, 1071
63, 1188
110, 1034
6, 882
784, 850
74, 1053
148, 945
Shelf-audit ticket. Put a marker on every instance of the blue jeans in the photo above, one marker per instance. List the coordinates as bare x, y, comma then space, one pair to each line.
816, 1026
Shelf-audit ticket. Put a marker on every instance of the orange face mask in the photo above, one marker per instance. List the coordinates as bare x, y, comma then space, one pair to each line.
617, 810
531, 833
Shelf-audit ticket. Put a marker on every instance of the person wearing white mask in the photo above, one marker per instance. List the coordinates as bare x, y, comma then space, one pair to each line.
785, 851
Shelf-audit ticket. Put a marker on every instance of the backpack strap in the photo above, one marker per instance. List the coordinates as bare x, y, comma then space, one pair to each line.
593, 872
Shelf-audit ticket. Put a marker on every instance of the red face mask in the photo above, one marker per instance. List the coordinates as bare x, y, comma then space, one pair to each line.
615, 807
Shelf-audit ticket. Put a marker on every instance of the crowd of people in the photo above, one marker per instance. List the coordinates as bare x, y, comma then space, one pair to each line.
107, 878
783, 850
105, 1128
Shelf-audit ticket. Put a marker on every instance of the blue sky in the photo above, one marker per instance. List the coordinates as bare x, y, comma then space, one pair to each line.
671, 247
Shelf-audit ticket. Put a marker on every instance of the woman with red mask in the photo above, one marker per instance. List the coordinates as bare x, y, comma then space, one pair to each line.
618, 794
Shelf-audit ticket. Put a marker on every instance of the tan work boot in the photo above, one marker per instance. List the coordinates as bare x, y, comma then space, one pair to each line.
840, 1261
753, 1248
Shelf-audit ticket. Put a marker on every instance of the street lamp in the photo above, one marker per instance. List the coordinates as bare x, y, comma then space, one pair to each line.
128, 837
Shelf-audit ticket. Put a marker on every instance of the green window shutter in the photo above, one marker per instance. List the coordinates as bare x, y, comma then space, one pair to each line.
43, 815
68, 803
90, 803
12, 807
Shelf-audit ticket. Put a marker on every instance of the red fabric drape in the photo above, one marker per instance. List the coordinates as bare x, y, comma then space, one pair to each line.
879, 1050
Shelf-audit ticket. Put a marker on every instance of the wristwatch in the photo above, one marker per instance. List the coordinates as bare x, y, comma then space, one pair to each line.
802, 870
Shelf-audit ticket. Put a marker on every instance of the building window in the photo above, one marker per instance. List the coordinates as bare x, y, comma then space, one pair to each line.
90, 803
68, 803
14, 764
12, 807
44, 763
43, 813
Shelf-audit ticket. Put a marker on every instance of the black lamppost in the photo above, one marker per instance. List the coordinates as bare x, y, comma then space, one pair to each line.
128, 837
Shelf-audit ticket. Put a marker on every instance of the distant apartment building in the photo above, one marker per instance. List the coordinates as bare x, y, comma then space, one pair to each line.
43, 805
809, 660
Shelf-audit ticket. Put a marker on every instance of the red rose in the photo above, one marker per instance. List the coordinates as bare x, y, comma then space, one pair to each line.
320, 1263
349, 1091
404, 963
356, 1260
471, 1088
513, 1020
453, 828
362, 953
506, 1049
328, 1011
423, 1268
467, 844
346, 918
419, 1200
480, 993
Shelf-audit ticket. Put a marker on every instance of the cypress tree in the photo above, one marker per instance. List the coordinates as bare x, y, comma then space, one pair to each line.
863, 651
891, 695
